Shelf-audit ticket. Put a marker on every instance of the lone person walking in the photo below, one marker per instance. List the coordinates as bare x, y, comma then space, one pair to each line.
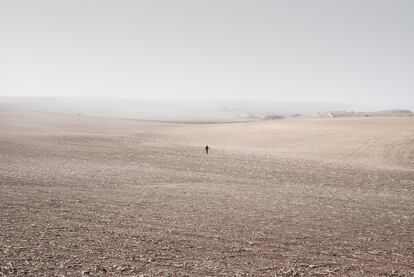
206, 149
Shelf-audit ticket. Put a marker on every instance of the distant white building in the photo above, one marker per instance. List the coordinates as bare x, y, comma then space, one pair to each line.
335, 114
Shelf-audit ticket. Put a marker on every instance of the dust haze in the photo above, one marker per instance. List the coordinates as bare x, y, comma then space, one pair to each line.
206, 138
167, 110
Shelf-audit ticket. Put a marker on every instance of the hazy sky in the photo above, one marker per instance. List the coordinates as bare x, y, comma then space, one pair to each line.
353, 51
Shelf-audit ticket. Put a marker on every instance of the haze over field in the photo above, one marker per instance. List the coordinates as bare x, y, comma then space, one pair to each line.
178, 110
207, 138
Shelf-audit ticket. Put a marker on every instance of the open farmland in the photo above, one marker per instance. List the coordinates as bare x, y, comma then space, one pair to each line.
98, 196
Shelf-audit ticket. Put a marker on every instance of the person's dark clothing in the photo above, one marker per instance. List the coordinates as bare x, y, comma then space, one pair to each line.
207, 149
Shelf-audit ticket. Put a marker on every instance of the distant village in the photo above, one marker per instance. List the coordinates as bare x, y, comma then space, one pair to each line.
386, 113
328, 114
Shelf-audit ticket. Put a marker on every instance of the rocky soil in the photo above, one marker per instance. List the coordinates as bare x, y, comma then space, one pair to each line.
104, 197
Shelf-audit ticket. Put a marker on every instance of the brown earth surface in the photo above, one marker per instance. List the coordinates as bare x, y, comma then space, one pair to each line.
109, 197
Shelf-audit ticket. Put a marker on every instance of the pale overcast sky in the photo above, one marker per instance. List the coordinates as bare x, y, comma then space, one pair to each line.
353, 51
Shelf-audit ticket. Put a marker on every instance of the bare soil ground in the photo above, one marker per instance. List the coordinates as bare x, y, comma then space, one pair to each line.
105, 197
